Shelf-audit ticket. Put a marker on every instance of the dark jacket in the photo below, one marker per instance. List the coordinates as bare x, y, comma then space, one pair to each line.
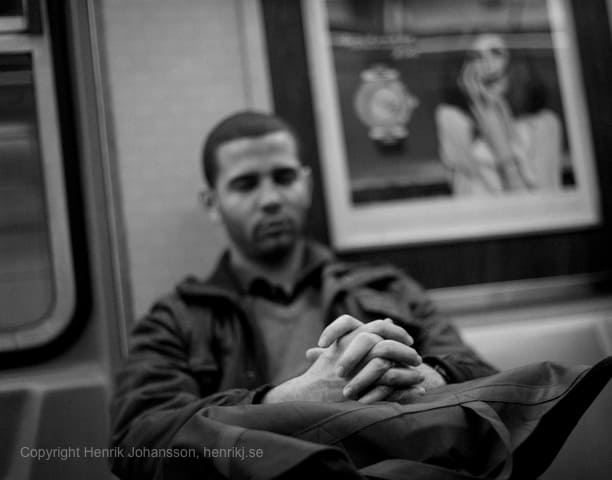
198, 347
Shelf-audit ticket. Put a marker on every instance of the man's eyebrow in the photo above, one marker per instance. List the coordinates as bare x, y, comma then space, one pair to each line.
243, 176
286, 168
279, 168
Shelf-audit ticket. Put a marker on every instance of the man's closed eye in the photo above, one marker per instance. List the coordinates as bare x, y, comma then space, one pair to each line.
244, 183
284, 176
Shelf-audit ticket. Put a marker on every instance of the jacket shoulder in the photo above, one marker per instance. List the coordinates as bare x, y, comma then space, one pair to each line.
370, 274
383, 287
175, 314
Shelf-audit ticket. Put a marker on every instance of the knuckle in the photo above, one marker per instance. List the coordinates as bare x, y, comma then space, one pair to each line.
388, 390
413, 377
384, 389
368, 337
393, 345
399, 351
381, 391
388, 332
384, 348
376, 338
391, 377
381, 364
375, 325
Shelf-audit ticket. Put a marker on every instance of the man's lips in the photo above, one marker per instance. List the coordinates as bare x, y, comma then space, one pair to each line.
273, 228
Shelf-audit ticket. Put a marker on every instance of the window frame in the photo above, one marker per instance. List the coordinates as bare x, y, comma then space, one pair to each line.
50, 326
29, 21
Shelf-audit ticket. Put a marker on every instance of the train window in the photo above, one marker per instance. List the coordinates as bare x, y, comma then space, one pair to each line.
12, 15
36, 278
26, 286
12, 8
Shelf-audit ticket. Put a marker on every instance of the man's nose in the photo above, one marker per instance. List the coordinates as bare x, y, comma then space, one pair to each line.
269, 195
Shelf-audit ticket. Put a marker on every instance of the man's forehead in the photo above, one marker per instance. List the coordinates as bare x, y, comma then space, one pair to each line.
275, 142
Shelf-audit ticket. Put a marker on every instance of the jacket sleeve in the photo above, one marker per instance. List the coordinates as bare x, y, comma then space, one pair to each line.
437, 340
156, 397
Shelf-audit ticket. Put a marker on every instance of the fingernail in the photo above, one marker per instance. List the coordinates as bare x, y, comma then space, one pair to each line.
388, 320
419, 359
420, 390
340, 371
347, 392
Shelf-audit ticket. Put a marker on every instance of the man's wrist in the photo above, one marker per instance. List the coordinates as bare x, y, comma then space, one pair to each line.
280, 393
299, 388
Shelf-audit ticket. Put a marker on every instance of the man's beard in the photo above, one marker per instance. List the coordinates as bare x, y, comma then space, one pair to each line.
274, 241
277, 255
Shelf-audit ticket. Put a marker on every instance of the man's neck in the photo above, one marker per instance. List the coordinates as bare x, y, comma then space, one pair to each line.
283, 273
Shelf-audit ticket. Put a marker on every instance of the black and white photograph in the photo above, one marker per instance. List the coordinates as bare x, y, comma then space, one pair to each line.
305, 239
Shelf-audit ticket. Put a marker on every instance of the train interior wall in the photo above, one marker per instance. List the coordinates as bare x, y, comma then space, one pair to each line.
168, 71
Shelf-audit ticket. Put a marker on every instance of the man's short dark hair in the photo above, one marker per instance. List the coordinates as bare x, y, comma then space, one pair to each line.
245, 124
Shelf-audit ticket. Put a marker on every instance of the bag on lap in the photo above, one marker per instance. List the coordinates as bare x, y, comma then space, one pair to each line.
507, 426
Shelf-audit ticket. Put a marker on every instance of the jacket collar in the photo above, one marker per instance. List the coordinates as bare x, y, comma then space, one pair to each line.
336, 277
224, 283
312, 259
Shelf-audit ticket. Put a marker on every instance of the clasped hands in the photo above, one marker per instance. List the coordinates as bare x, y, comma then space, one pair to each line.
368, 362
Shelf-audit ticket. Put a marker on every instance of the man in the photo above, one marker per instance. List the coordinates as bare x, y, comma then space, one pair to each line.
279, 319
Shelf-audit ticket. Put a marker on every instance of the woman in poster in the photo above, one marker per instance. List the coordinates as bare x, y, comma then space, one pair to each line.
494, 132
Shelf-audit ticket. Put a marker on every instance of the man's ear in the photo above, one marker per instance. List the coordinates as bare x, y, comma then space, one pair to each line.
208, 199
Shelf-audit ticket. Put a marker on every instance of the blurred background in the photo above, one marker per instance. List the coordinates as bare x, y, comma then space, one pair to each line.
104, 105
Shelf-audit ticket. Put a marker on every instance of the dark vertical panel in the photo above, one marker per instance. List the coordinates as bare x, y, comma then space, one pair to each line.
292, 94
474, 261
595, 44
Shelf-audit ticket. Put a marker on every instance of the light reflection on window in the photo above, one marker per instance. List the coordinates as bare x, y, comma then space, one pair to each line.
26, 277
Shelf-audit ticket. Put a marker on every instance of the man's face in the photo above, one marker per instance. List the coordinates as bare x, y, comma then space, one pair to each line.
262, 194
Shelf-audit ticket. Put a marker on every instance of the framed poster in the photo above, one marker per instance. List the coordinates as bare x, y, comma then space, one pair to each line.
449, 119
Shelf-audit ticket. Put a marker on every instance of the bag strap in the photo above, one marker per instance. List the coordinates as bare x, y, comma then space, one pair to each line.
503, 449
